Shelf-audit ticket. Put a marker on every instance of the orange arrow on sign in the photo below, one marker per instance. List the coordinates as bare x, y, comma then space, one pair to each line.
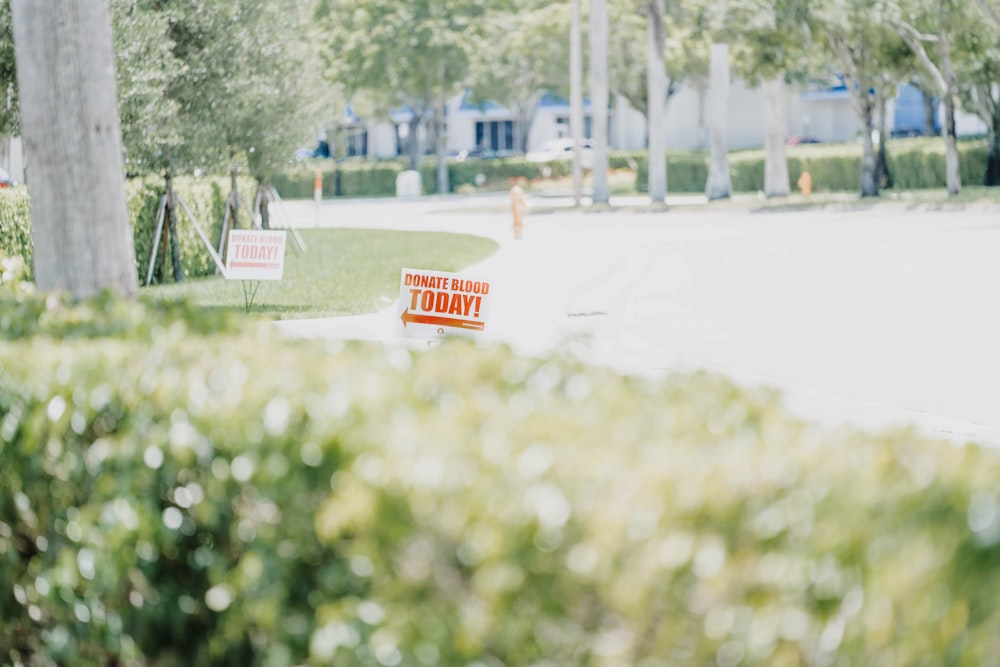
408, 317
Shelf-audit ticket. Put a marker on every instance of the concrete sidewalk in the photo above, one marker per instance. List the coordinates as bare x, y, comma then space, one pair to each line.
876, 317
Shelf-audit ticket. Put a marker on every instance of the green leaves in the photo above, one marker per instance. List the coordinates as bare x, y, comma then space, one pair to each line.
188, 498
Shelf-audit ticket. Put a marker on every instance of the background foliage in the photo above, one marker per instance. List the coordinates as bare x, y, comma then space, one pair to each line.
175, 494
915, 163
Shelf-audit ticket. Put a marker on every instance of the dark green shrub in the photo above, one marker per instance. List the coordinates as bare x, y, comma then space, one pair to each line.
972, 162
835, 173
687, 172
746, 173
371, 179
357, 179
486, 174
15, 225
176, 497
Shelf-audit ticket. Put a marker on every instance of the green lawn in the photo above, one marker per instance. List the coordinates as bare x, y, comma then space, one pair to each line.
343, 272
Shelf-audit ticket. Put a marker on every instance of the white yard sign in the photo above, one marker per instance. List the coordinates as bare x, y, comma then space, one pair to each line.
255, 254
433, 304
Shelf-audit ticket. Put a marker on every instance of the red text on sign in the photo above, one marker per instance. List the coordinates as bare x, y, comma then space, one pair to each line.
445, 302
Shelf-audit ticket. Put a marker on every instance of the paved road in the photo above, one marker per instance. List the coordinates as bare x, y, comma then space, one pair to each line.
871, 316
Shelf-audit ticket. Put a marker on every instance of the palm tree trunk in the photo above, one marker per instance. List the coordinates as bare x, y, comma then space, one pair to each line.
719, 185
72, 137
599, 97
656, 82
776, 182
576, 99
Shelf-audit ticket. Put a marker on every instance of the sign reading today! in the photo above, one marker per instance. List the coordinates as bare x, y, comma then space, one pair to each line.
255, 254
433, 304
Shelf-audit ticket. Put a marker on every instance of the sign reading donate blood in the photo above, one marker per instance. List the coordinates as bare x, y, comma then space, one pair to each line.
435, 303
255, 254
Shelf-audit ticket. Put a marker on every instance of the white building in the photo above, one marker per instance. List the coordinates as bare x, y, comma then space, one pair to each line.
824, 114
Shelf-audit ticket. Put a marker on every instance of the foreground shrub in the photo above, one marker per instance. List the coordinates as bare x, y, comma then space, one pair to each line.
178, 497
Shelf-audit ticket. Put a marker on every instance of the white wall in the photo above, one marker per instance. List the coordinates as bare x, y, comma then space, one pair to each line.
381, 140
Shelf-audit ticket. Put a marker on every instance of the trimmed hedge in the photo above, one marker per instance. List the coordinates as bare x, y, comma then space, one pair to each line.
206, 199
171, 496
357, 179
15, 225
915, 163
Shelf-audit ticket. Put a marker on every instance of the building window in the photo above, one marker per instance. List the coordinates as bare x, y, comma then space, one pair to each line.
357, 142
562, 126
495, 135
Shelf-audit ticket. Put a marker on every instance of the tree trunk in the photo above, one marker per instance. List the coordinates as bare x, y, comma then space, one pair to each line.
719, 185
656, 83
929, 126
882, 173
170, 213
235, 200
599, 97
952, 175
576, 99
869, 181
72, 137
526, 118
776, 182
413, 141
441, 147
263, 200
993, 160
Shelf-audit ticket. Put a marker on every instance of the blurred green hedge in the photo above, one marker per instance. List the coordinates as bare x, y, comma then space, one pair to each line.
356, 179
915, 164
173, 495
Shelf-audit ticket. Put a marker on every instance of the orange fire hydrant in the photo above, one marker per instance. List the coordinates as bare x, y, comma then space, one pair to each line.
517, 207
805, 183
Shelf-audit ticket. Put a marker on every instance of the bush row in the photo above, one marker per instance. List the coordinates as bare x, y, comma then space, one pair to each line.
362, 179
914, 165
172, 496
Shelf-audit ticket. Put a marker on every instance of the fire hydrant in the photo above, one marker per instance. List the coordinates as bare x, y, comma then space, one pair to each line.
517, 206
805, 183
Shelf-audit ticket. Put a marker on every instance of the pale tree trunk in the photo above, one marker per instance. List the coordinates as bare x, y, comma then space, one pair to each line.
72, 136
599, 97
413, 140
719, 185
526, 118
776, 182
656, 84
441, 147
864, 107
947, 85
953, 174
576, 99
